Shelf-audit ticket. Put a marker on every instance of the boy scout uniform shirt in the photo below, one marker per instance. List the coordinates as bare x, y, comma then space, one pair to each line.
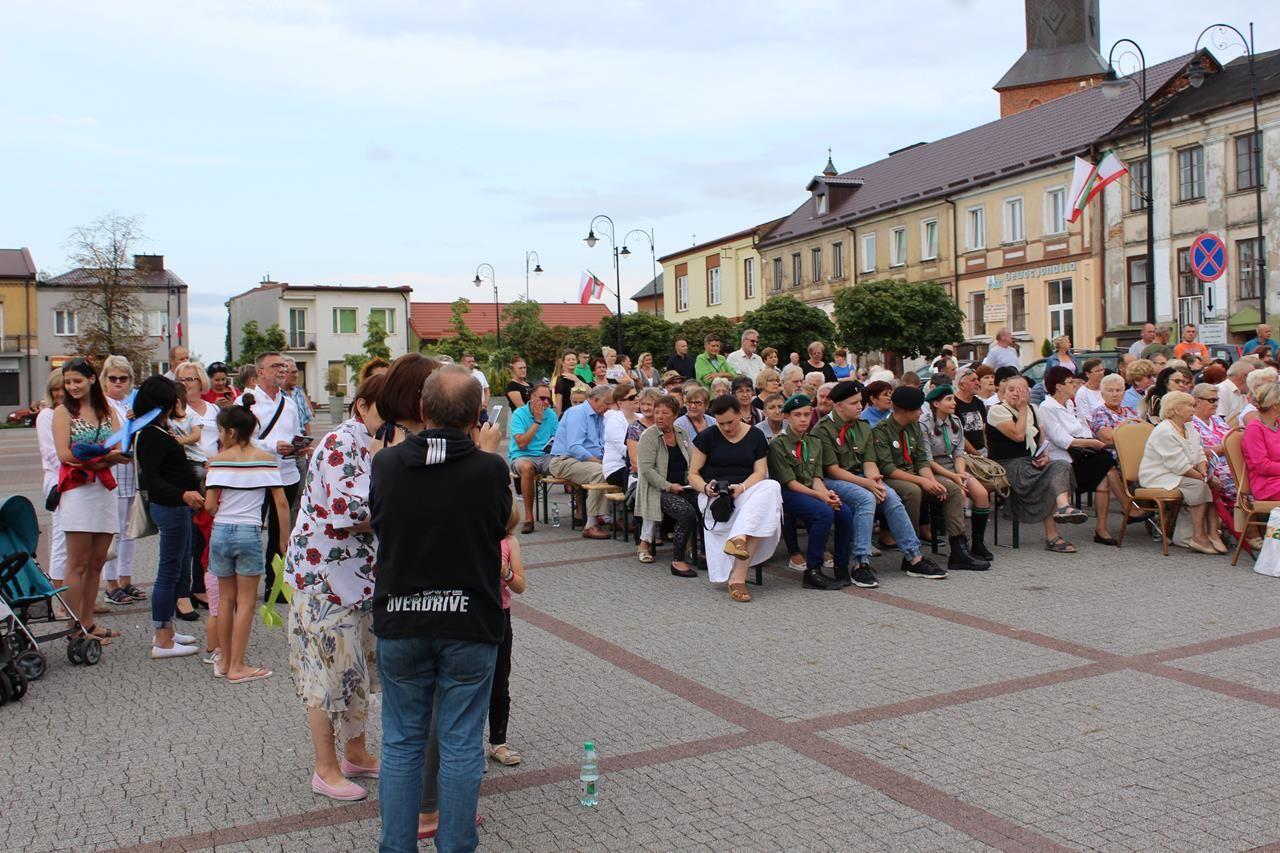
890, 454
844, 443
785, 465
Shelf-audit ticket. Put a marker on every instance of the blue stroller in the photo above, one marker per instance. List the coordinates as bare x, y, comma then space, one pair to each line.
25, 587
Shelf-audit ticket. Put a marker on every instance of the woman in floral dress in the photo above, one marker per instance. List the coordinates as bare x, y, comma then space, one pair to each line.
330, 565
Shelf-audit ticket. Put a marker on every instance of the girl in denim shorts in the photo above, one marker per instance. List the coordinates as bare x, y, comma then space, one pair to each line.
237, 482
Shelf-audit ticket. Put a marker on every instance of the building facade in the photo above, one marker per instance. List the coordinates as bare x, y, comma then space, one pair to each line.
648, 299
21, 381
322, 325
719, 276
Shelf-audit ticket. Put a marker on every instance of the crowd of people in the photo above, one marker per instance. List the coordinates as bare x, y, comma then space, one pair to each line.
723, 457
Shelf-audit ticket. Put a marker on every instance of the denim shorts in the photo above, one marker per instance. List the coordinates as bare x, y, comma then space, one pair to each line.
236, 549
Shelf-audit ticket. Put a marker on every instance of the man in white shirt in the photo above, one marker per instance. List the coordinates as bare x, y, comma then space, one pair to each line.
1003, 352
1148, 338
745, 361
177, 355
1232, 393
278, 425
469, 361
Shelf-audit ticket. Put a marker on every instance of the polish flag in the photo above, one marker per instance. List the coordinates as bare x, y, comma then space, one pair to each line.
1088, 180
590, 288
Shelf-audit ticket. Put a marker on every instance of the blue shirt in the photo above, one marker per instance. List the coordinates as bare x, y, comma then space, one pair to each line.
521, 420
580, 433
873, 416
1253, 344
299, 398
1132, 398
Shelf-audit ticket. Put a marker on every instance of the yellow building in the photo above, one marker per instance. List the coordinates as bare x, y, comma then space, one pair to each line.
19, 386
719, 276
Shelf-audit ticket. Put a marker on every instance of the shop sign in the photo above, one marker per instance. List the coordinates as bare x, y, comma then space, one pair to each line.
996, 281
1212, 333
995, 312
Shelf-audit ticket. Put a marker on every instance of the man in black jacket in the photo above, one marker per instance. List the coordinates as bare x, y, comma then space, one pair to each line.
440, 507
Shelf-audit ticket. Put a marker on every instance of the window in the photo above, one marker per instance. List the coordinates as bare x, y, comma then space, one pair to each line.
157, 323
713, 286
820, 201
1138, 185
344, 321
1055, 211
1190, 173
977, 312
1138, 289
815, 257
749, 278
1017, 302
1015, 229
297, 328
868, 252
975, 228
1248, 161
797, 271
682, 293
1190, 292
1247, 264
898, 247
837, 260
10, 388
1188, 283
1062, 313
777, 273
386, 316
929, 240
66, 322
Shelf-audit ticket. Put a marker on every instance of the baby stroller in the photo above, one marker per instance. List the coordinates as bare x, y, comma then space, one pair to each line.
25, 588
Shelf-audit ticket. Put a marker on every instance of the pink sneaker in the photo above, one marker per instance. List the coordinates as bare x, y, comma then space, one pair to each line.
347, 791
352, 770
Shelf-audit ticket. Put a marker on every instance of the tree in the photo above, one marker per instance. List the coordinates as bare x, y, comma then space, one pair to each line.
694, 330
105, 296
521, 321
788, 325
908, 320
463, 339
375, 346
254, 343
641, 332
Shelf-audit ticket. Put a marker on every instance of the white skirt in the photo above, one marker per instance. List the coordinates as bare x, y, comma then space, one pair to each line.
757, 512
91, 508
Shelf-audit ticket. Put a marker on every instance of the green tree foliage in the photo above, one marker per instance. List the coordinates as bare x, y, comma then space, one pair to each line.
788, 325
892, 315
463, 339
254, 342
375, 346
641, 332
696, 328
1046, 348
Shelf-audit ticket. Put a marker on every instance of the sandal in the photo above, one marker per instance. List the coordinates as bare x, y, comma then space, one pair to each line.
1058, 545
737, 548
1069, 515
257, 675
103, 633
505, 755
738, 592
644, 555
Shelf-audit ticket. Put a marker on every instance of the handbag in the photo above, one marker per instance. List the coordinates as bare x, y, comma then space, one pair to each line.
1268, 560
140, 524
989, 473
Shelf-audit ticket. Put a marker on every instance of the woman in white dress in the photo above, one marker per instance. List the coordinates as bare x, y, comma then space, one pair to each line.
87, 503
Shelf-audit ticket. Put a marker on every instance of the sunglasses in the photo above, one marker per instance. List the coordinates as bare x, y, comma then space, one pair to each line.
118, 379
628, 399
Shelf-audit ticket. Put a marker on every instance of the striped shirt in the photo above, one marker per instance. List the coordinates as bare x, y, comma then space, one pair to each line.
243, 486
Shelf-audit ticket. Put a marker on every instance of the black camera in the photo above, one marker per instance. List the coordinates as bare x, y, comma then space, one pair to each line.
720, 488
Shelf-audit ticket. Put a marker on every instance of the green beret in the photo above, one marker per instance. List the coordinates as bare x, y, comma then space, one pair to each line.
938, 393
796, 401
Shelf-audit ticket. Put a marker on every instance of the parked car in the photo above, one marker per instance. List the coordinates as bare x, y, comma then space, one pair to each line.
1035, 370
1230, 353
22, 417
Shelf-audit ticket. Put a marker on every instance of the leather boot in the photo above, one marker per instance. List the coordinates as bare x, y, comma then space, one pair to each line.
815, 579
961, 558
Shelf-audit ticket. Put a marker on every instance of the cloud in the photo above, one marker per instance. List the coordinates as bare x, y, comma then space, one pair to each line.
378, 154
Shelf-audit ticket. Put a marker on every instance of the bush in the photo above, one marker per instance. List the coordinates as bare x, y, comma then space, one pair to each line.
907, 319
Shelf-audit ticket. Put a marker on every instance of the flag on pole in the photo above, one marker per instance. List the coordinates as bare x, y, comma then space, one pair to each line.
1087, 180
590, 288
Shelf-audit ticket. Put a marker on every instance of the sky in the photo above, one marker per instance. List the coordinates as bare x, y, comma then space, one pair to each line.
396, 142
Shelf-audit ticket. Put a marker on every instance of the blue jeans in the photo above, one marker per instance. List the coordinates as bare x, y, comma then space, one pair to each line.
820, 517
174, 525
900, 524
235, 549
412, 671
862, 503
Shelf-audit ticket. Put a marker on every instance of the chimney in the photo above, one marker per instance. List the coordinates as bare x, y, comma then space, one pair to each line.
1061, 56
148, 263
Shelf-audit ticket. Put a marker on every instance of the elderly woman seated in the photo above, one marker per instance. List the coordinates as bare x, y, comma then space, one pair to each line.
662, 487
1072, 442
768, 381
694, 420
1174, 459
1254, 383
1261, 445
729, 466
1213, 430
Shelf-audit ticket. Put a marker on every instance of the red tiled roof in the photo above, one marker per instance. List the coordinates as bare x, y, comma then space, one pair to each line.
430, 320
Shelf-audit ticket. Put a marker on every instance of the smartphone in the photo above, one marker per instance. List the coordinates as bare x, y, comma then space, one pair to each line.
1041, 451
493, 414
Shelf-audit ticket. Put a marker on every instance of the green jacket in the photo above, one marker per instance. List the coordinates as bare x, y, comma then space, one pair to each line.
784, 466
851, 451
704, 365
887, 440
583, 372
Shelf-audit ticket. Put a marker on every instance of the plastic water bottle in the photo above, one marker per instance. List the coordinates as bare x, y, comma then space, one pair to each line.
555, 513
590, 775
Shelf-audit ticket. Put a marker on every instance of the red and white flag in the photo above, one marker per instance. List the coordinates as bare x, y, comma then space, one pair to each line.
590, 288
1088, 180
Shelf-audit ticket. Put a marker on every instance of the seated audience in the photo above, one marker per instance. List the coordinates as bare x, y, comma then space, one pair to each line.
695, 420
877, 396
948, 459
615, 463
772, 423
1072, 442
1174, 459
1262, 446
577, 453
532, 428
662, 492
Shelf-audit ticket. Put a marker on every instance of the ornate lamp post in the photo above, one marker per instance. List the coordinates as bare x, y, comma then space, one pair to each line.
497, 315
653, 255
537, 269
591, 241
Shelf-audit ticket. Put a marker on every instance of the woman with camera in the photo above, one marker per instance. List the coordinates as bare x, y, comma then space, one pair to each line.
743, 507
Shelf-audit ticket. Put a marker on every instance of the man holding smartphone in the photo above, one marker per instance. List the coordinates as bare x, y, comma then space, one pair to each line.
532, 429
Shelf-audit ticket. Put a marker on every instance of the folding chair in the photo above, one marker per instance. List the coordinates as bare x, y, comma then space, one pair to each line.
1131, 442
1255, 512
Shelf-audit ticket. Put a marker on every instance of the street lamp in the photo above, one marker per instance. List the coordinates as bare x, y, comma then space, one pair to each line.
591, 241
653, 256
1195, 75
1112, 87
497, 314
537, 269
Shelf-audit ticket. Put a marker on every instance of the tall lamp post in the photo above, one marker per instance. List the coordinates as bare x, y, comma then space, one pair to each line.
1195, 75
537, 269
497, 314
591, 241
653, 256
1112, 87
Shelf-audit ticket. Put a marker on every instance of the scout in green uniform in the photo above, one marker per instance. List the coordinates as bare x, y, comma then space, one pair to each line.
795, 461
900, 452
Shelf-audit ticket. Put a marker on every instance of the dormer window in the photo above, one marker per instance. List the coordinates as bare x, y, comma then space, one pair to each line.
820, 203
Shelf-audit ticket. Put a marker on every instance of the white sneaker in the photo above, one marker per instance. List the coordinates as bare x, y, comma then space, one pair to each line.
178, 650
185, 639
800, 566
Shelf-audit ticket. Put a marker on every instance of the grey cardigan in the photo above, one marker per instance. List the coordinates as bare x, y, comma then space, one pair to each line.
651, 465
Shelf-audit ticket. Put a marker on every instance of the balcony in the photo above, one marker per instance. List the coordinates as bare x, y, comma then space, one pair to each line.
17, 344
301, 341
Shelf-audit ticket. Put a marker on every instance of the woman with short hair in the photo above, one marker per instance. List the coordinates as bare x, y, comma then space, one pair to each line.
615, 463
1062, 354
662, 466
1174, 459
696, 399
743, 389
1254, 382
1072, 442
1213, 429
1261, 445
1140, 375
730, 459
116, 381
768, 381
878, 398
769, 356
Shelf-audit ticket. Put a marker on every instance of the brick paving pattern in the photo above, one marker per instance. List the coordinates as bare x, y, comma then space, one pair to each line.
1112, 700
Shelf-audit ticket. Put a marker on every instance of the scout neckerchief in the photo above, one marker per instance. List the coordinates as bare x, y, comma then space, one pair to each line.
906, 454
844, 431
802, 450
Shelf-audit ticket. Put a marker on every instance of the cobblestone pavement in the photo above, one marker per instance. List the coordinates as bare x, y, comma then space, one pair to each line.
1113, 700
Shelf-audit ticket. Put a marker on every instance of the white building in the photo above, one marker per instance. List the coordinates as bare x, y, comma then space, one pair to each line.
322, 325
